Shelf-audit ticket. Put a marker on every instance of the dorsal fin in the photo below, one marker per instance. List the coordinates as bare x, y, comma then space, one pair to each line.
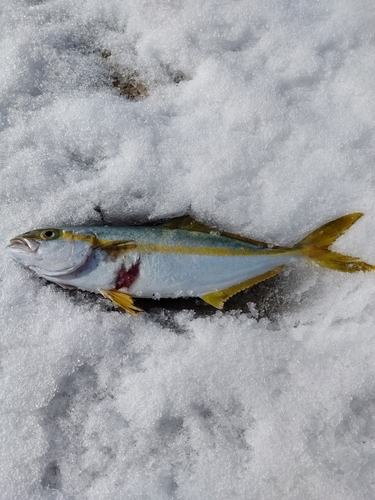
189, 224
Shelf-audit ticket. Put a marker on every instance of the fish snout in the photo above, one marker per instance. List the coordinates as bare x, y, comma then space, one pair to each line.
23, 244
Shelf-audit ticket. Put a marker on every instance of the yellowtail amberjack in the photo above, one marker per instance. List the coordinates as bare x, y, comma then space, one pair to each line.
180, 258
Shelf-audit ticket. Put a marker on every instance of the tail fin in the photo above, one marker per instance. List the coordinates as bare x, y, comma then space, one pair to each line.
316, 245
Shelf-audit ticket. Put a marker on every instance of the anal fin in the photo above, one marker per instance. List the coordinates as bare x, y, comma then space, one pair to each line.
124, 300
217, 299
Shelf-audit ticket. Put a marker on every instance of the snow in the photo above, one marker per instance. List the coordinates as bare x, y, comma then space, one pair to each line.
256, 117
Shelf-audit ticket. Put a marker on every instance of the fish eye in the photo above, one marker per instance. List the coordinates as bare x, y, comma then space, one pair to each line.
48, 234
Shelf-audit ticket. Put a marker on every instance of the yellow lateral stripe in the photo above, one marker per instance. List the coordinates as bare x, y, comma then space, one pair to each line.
180, 249
67, 235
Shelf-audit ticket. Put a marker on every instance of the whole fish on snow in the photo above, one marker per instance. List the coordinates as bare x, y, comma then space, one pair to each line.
181, 258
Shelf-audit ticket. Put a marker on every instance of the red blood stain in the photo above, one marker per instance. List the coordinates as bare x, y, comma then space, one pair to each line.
126, 278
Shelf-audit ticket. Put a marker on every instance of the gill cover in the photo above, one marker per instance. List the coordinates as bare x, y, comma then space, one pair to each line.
52, 252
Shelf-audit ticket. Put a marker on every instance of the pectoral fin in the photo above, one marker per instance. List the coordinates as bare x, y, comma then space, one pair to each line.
217, 299
116, 248
123, 300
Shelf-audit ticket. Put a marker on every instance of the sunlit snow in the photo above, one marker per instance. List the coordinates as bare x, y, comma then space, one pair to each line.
253, 116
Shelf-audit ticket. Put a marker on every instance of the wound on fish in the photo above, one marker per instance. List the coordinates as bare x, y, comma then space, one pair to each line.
125, 278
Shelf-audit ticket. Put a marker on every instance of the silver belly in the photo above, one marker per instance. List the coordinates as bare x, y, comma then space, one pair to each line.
182, 275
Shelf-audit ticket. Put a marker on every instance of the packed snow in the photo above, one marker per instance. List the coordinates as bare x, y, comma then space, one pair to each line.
256, 117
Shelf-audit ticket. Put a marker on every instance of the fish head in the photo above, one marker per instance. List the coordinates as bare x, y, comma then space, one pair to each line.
52, 252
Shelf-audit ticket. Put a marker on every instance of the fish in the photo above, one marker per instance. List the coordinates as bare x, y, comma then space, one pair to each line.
178, 258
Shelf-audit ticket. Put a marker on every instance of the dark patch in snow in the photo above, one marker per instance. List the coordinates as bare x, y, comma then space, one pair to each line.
166, 319
51, 478
62, 426
176, 76
129, 85
99, 210
168, 426
203, 411
66, 422
127, 82
359, 422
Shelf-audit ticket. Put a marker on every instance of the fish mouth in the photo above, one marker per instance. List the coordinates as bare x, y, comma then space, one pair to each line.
23, 244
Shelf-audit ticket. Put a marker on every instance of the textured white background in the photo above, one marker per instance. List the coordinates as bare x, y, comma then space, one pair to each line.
269, 134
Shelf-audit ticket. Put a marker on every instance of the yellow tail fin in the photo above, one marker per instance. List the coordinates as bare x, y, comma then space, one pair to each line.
316, 245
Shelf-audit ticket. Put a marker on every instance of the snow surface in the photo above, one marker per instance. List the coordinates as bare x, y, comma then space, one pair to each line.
255, 116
